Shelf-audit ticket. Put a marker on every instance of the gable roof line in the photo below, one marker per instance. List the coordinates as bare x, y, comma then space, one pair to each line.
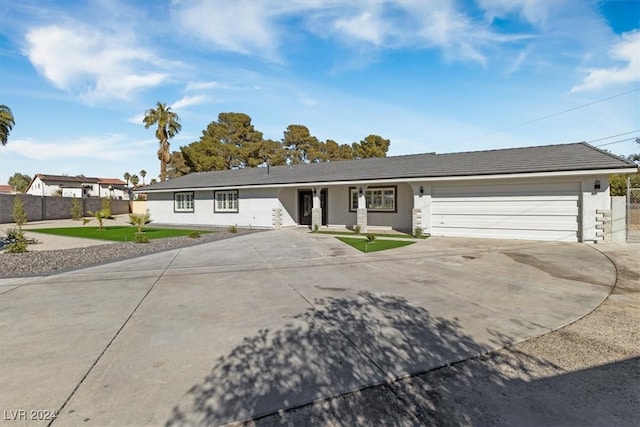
78, 179
575, 157
424, 179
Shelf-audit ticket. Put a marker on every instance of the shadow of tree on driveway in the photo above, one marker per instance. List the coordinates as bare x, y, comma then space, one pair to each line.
342, 345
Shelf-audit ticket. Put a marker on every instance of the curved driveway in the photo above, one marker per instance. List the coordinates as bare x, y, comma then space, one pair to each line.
243, 327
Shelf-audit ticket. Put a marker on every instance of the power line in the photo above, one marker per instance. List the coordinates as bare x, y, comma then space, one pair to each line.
548, 116
613, 136
616, 142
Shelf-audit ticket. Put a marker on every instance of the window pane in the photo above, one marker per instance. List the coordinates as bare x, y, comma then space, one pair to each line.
226, 201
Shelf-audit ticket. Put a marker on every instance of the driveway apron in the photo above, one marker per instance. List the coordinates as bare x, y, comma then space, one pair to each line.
243, 327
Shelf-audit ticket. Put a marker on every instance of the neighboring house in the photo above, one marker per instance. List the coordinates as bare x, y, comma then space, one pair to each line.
4, 188
541, 193
77, 186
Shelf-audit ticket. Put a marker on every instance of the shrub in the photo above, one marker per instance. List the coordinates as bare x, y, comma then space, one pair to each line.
18, 241
15, 233
370, 237
315, 228
76, 209
19, 214
17, 247
141, 238
356, 229
140, 220
106, 207
417, 233
232, 229
100, 216
195, 234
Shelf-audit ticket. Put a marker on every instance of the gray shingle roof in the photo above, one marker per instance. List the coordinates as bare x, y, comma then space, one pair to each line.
550, 158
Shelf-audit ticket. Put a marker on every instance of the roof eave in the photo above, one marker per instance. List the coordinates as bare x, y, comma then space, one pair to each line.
544, 174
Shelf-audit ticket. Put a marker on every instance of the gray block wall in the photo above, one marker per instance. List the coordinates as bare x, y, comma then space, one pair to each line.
40, 208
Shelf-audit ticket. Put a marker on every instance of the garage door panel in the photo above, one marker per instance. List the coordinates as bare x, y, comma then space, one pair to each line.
538, 211
509, 234
503, 198
519, 190
523, 222
486, 207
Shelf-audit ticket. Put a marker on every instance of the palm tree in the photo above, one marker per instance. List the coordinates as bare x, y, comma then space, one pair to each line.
127, 177
153, 181
135, 180
168, 126
143, 173
6, 123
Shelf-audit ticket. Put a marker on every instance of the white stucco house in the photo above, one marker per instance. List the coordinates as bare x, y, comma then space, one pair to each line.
554, 192
77, 186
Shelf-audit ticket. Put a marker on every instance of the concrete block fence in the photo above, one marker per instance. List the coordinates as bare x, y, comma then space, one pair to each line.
39, 208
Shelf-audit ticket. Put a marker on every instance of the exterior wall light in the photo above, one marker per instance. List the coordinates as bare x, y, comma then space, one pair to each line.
421, 190
596, 187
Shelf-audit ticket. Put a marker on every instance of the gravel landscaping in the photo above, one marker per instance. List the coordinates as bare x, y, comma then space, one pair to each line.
46, 262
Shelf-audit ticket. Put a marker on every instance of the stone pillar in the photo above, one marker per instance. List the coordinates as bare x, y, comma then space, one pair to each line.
361, 215
416, 220
276, 218
316, 211
603, 226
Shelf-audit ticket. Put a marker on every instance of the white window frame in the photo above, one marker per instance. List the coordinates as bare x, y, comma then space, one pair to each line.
378, 199
183, 202
225, 201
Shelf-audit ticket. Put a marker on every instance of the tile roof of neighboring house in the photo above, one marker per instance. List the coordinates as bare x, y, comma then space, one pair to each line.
111, 181
65, 178
550, 158
80, 179
4, 188
76, 179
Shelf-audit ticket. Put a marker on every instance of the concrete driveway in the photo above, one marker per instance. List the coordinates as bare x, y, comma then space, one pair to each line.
244, 327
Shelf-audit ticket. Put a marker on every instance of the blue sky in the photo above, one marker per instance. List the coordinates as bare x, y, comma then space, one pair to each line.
441, 76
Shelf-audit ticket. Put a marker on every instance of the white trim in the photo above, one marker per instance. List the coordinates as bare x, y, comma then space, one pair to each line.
228, 203
186, 201
368, 193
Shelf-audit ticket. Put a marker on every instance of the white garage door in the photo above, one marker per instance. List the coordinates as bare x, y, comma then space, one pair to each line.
521, 211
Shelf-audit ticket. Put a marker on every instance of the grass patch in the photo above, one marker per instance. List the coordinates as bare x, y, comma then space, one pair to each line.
391, 235
377, 245
115, 233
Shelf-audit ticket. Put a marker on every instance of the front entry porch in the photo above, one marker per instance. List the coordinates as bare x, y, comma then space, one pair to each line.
307, 207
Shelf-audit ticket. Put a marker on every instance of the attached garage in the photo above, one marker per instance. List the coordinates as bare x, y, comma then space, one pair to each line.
536, 211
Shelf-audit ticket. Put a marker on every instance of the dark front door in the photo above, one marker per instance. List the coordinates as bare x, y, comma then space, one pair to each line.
305, 206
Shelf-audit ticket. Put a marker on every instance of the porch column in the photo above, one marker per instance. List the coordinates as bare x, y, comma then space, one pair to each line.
316, 211
361, 216
421, 212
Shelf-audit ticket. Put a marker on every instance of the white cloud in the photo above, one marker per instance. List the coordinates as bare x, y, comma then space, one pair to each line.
627, 51
188, 100
108, 147
259, 28
137, 119
407, 24
239, 26
206, 86
367, 26
534, 11
96, 65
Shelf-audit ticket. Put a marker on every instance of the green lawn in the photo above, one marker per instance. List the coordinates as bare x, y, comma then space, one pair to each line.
114, 233
377, 245
351, 233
